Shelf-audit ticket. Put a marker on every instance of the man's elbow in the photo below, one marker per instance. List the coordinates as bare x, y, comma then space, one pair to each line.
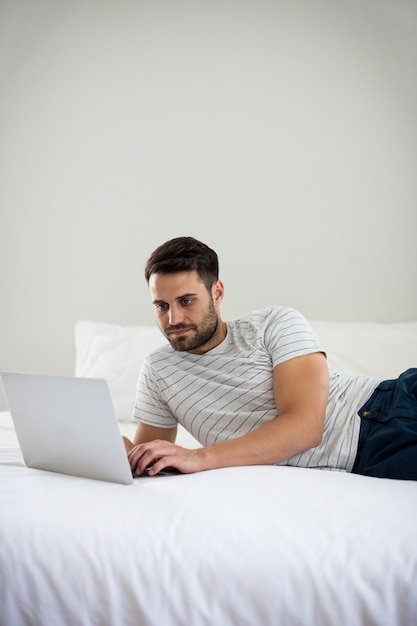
317, 438
316, 433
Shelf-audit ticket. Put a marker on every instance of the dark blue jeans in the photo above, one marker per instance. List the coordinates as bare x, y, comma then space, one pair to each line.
388, 436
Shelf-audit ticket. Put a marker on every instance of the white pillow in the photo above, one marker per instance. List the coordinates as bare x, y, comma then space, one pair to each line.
372, 349
115, 353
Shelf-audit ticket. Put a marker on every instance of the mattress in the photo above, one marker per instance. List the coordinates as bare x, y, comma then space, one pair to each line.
239, 546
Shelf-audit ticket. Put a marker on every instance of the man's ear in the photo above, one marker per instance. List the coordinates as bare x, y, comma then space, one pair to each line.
217, 292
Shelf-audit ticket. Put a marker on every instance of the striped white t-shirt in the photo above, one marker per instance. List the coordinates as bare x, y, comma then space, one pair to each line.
227, 392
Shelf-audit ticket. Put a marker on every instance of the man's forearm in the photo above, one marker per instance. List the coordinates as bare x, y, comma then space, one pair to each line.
272, 443
276, 441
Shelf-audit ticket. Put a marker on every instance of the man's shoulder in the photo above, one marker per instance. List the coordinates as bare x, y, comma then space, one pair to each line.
159, 353
264, 323
271, 313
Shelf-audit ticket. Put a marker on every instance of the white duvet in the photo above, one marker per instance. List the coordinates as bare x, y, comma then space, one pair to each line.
253, 546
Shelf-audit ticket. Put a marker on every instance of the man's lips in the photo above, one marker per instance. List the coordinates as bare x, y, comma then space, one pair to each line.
177, 332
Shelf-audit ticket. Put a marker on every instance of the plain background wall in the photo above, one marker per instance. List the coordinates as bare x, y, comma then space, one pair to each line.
282, 133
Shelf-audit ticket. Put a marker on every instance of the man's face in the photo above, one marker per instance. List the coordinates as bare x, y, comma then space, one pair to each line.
186, 312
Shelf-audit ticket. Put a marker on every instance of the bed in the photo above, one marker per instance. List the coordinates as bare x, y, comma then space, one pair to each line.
254, 546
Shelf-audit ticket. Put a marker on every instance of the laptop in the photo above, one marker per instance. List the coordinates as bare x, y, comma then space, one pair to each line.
67, 425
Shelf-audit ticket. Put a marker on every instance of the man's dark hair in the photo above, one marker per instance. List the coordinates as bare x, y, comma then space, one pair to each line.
184, 254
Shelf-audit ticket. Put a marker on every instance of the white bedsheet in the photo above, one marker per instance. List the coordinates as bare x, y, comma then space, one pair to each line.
254, 546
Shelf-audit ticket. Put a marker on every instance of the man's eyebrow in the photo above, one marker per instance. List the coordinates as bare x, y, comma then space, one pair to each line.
181, 297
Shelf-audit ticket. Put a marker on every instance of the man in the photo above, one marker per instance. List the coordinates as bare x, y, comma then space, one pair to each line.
257, 390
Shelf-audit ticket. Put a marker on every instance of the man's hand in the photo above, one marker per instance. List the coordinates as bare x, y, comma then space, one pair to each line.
128, 444
155, 456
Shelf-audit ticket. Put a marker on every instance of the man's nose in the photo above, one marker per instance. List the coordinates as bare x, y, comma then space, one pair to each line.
176, 315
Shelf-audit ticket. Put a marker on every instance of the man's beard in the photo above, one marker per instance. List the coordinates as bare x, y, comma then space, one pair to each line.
204, 332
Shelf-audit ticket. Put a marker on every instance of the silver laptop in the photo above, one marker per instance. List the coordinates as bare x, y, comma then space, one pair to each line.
67, 425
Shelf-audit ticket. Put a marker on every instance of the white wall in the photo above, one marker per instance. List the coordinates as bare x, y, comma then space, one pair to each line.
283, 133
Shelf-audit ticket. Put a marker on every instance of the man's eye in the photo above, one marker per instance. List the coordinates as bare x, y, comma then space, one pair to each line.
161, 307
186, 301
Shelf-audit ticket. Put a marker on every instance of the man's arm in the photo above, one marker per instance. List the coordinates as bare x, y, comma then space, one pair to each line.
145, 433
301, 387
